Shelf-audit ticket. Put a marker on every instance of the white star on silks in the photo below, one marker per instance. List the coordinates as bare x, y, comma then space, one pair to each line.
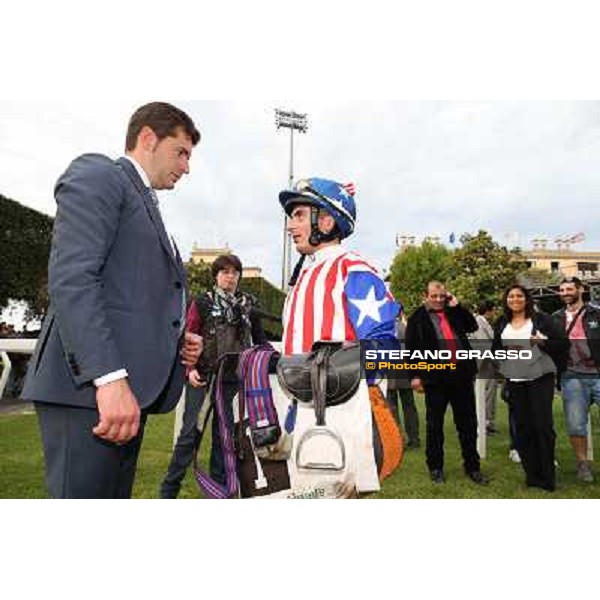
368, 306
343, 192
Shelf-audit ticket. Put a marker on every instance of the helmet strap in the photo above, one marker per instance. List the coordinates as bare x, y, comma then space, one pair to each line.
293, 280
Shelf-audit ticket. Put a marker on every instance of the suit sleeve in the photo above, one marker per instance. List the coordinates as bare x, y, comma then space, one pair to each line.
89, 199
467, 321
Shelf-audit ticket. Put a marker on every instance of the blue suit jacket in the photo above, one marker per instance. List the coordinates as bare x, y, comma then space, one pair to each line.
115, 292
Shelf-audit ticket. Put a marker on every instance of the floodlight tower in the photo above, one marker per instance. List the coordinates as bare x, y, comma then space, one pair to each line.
293, 121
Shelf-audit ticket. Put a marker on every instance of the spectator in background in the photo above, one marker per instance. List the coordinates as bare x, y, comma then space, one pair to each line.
225, 319
580, 384
400, 388
486, 386
441, 323
3, 329
530, 383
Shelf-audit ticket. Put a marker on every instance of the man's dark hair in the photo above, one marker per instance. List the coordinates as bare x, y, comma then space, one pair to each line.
164, 119
574, 280
224, 261
529, 306
485, 306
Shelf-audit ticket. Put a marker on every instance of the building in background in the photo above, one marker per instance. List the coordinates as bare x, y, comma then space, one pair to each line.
209, 255
562, 259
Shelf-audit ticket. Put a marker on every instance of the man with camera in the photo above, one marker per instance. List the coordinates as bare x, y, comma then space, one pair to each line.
441, 323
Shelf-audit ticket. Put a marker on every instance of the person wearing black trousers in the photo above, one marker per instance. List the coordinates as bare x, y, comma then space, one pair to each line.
441, 323
228, 322
531, 382
400, 388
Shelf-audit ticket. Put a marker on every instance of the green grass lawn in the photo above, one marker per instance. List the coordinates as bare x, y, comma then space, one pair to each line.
21, 463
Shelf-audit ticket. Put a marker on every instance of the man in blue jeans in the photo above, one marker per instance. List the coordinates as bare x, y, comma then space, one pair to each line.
580, 383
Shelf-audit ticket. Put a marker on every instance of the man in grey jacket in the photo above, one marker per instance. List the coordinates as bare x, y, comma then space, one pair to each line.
112, 348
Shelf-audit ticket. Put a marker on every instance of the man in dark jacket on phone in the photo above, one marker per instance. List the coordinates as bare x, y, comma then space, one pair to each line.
441, 323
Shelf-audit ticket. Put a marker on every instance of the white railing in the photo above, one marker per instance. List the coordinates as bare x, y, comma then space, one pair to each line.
13, 346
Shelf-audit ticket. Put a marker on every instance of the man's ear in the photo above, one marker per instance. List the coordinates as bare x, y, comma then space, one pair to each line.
326, 223
147, 139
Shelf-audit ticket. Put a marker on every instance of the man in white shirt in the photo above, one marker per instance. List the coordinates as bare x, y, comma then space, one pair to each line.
112, 348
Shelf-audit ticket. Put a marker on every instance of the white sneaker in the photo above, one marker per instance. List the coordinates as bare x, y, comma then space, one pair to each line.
514, 456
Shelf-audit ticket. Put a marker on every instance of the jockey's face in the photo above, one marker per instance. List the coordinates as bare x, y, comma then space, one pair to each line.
299, 227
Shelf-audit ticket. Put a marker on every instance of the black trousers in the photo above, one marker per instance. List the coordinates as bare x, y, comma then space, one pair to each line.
409, 410
187, 440
459, 392
79, 464
535, 437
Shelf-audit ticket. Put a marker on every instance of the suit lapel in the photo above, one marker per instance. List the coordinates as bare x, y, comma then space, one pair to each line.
153, 212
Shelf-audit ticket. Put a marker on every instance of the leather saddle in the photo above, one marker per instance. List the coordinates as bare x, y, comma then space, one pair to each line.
334, 365
327, 376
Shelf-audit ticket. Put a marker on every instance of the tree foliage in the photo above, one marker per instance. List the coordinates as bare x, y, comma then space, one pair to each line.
25, 238
414, 267
481, 269
199, 278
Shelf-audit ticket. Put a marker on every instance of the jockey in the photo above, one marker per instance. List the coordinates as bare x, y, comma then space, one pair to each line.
336, 294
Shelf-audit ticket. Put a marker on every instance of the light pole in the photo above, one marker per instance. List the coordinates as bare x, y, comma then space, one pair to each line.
293, 121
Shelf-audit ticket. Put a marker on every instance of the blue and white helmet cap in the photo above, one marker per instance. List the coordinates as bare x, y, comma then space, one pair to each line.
335, 198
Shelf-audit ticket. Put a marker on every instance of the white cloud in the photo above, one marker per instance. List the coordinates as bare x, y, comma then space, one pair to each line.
422, 167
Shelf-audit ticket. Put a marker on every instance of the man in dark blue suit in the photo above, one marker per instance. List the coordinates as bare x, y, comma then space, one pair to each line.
113, 347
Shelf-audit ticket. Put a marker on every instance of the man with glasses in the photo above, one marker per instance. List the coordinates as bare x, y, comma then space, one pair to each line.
580, 383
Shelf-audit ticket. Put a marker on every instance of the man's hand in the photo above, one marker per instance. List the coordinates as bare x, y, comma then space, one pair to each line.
451, 300
191, 349
119, 412
194, 379
417, 385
